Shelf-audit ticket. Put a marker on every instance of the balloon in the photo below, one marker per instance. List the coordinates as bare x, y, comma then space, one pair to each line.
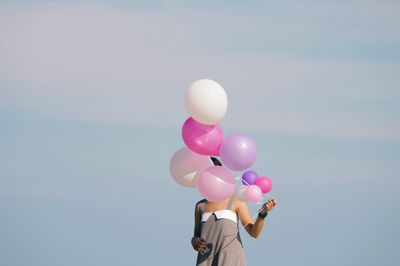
264, 183
241, 194
238, 151
202, 139
253, 193
185, 164
215, 183
249, 177
206, 101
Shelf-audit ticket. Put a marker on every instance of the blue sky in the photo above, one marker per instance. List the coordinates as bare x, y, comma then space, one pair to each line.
91, 106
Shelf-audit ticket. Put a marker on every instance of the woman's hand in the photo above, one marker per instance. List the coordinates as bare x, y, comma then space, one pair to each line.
198, 243
268, 206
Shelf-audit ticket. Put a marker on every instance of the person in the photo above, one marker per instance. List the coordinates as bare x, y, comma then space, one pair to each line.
216, 232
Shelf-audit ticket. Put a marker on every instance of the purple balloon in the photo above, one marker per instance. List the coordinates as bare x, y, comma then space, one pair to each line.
249, 177
238, 152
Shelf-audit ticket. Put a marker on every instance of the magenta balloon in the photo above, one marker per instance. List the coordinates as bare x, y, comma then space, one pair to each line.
238, 152
215, 183
253, 193
202, 139
264, 183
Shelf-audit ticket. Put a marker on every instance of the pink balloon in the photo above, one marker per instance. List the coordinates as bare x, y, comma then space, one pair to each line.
265, 183
215, 183
253, 193
202, 139
241, 194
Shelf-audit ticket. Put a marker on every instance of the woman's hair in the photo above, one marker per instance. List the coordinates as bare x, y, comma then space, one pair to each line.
215, 161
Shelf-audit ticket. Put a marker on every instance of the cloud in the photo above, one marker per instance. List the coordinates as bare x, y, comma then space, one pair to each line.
132, 66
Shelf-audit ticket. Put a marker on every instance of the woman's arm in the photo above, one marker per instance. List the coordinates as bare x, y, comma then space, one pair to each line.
198, 243
197, 220
253, 228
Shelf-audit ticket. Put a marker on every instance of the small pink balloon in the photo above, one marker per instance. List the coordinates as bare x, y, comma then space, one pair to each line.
253, 193
202, 139
241, 194
215, 183
265, 183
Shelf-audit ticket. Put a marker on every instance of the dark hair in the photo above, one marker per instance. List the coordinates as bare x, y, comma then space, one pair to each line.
215, 161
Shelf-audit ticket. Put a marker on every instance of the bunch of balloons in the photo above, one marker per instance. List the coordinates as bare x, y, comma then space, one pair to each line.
191, 166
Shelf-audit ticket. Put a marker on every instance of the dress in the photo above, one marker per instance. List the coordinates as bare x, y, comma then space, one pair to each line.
220, 230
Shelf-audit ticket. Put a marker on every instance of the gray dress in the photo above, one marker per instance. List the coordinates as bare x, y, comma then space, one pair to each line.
224, 246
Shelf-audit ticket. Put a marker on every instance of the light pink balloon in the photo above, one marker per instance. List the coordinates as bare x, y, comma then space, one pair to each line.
265, 183
241, 194
202, 139
216, 183
185, 164
253, 193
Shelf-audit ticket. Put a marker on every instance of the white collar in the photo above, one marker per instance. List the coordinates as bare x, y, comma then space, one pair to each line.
221, 214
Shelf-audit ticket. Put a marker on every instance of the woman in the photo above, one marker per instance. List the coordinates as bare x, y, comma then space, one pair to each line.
216, 232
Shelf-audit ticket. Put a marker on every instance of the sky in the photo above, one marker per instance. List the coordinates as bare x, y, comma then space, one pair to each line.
91, 109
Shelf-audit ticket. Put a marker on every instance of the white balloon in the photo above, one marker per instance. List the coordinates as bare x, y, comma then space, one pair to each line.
206, 101
185, 164
241, 194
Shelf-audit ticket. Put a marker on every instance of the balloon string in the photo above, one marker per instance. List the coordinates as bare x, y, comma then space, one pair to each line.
257, 203
260, 200
238, 178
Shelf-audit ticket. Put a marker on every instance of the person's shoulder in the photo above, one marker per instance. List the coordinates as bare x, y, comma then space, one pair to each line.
238, 205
